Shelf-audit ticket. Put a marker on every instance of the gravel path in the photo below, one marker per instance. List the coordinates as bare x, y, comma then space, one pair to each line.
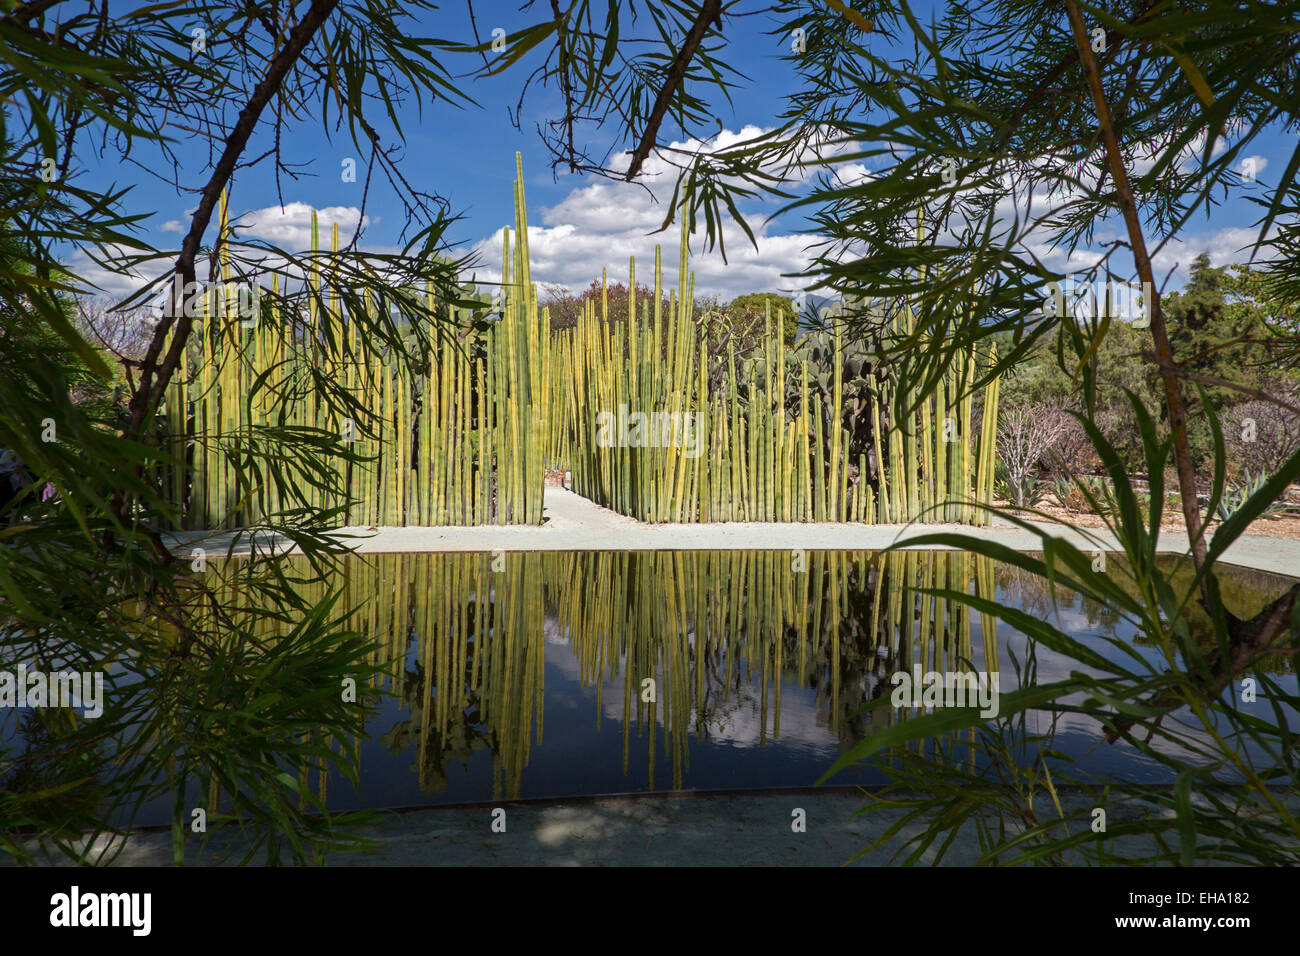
573, 523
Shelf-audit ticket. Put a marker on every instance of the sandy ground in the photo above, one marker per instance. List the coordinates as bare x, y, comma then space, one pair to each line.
1173, 521
573, 523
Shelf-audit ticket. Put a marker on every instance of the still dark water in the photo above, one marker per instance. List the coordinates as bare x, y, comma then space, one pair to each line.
551, 675
542, 675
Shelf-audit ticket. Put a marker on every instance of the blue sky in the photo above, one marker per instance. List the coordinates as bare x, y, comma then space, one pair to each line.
577, 224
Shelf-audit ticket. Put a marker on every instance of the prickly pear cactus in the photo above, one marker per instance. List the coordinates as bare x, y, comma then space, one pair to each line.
860, 377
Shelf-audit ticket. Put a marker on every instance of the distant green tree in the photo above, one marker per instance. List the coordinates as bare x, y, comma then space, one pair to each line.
1253, 295
1218, 346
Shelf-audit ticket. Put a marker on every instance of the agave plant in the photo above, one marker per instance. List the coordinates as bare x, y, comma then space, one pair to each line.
1028, 493
1234, 496
1067, 493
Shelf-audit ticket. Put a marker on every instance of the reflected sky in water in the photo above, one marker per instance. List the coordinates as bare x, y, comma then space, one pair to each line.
536, 675
761, 667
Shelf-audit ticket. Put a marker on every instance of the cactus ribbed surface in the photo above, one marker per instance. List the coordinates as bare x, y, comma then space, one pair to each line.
658, 416
664, 421
461, 442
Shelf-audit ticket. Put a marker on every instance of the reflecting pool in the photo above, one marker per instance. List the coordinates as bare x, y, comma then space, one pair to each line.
528, 675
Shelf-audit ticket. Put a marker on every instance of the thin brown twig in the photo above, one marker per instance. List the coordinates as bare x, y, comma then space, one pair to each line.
26, 12
710, 13
1159, 331
478, 41
154, 377
566, 82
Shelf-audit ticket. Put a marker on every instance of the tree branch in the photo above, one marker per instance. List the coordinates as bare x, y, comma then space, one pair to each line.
1248, 639
566, 83
710, 13
1251, 640
149, 392
26, 12
1159, 332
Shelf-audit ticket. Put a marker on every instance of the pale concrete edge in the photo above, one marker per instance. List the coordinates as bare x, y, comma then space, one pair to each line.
573, 523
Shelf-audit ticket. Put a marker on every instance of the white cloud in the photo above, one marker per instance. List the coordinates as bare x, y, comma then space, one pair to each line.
1230, 245
1037, 210
289, 226
112, 279
570, 256
598, 225
1252, 166
851, 174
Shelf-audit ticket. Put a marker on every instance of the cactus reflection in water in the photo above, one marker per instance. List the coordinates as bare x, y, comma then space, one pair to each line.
677, 646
